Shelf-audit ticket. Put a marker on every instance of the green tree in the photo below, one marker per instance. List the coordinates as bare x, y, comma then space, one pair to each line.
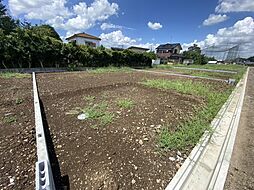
7, 24
45, 30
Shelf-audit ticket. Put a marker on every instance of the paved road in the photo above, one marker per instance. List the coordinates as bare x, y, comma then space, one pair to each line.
241, 171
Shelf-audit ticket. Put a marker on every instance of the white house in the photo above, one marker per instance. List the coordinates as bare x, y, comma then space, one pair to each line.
84, 39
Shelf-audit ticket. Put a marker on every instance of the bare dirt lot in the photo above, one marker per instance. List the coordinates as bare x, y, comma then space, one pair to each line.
117, 148
17, 140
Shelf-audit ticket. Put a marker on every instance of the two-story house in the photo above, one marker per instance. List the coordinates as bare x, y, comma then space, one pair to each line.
84, 39
169, 52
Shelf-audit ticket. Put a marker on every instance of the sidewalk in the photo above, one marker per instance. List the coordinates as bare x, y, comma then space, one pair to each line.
241, 171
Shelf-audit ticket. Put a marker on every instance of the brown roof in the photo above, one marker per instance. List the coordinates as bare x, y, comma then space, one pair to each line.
83, 35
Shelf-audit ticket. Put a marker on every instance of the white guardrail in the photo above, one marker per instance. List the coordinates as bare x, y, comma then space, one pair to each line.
43, 174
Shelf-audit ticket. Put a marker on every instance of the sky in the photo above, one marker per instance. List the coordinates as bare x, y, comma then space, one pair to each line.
146, 23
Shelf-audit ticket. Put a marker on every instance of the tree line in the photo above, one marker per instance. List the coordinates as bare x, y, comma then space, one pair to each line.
25, 46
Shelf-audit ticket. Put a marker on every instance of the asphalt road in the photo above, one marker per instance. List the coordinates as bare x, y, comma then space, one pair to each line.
241, 171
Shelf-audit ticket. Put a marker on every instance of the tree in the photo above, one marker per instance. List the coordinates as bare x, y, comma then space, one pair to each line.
251, 59
2, 9
45, 30
194, 48
7, 24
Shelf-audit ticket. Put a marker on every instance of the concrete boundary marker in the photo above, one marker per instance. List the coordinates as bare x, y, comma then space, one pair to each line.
208, 70
43, 173
181, 75
207, 165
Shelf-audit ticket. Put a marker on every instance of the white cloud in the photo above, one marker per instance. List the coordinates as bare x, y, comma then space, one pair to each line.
154, 26
226, 6
106, 26
55, 12
242, 32
39, 9
214, 19
118, 39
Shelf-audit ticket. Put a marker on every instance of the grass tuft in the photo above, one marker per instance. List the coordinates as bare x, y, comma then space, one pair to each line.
9, 119
19, 101
125, 103
89, 98
99, 112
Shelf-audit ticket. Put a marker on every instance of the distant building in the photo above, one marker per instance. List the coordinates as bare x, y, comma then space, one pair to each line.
138, 49
169, 52
212, 62
84, 39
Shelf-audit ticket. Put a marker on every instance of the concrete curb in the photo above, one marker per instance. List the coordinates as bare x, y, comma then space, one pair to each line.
181, 75
43, 174
208, 163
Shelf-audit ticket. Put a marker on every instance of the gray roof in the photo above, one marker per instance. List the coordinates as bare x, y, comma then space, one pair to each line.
140, 48
169, 46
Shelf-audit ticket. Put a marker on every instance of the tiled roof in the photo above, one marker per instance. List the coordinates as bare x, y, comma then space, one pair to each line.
168, 46
83, 35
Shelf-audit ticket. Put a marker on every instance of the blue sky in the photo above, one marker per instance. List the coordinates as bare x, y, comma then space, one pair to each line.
125, 22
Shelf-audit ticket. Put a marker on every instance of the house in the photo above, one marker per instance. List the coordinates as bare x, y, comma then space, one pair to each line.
138, 49
169, 52
84, 39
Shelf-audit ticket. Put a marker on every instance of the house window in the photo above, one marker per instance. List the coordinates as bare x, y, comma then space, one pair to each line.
91, 44
175, 51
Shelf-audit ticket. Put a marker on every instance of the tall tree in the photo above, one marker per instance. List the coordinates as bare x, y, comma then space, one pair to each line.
45, 30
7, 24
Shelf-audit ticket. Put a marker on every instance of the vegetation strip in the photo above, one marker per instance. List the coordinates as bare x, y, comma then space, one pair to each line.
190, 132
182, 75
207, 165
208, 70
239, 69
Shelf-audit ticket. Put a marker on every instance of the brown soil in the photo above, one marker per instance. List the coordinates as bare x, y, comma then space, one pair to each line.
17, 140
124, 154
241, 171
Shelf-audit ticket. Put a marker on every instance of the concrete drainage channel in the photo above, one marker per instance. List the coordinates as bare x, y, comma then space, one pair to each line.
205, 168
43, 173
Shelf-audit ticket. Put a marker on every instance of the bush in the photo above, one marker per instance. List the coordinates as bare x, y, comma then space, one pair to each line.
25, 49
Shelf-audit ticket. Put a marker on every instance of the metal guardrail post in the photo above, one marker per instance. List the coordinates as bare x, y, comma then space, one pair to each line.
43, 174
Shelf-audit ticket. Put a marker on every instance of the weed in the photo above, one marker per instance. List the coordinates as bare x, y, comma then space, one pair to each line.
9, 119
125, 103
19, 101
89, 98
99, 112
106, 118
186, 87
14, 75
189, 132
